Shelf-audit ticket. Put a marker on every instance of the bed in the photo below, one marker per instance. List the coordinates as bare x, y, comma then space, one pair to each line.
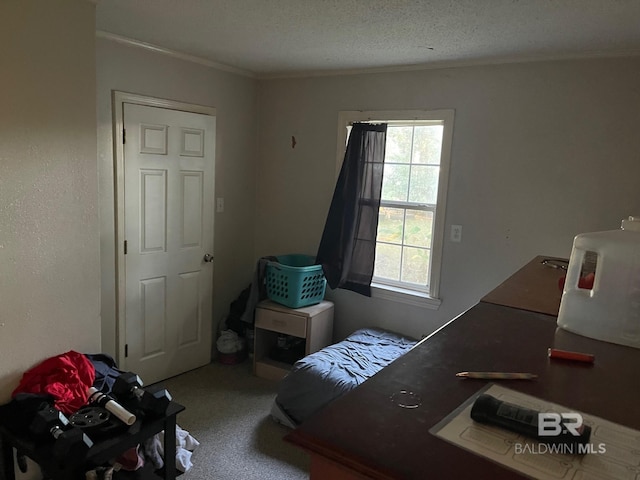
323, 376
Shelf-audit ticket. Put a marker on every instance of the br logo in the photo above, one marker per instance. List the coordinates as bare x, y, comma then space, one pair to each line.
554, 424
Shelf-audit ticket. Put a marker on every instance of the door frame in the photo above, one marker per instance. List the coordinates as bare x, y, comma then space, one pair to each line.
118, 99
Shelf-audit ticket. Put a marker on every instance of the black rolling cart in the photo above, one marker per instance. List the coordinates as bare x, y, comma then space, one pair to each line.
100, 453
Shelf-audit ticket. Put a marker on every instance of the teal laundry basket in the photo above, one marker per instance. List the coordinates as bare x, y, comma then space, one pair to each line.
295, 281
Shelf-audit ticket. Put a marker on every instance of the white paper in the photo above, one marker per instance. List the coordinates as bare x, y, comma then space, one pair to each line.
614, 450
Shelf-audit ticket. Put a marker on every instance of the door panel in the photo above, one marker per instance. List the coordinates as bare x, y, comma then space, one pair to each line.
169, 167
153, 295
191, 314
192, 206
153, 211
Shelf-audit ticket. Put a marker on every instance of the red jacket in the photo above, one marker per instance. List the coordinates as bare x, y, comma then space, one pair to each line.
65, 377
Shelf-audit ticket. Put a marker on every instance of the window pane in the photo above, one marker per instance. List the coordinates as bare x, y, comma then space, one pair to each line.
395, 182
387, 261
398, 148
415, 265
390, 222
418, 229
424, 184
427, 144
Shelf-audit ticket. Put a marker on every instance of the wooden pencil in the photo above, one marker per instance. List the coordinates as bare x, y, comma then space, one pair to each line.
498, 375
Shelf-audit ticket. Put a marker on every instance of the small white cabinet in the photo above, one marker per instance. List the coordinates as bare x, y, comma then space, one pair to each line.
314, 324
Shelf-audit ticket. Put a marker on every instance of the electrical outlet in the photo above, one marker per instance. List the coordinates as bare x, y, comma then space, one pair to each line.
220, 204
456, 233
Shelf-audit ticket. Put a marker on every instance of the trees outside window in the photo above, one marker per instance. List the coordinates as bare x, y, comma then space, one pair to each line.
411, 215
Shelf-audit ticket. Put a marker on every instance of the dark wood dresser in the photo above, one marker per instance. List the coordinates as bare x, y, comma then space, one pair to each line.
364, 434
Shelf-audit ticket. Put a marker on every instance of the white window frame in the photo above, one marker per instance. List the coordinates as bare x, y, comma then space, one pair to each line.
431, 298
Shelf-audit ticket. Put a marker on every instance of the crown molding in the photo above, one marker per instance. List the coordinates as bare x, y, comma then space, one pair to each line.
448, 64
172, 53
361, 71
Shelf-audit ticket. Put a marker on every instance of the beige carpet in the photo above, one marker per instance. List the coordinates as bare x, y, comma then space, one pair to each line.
227, 411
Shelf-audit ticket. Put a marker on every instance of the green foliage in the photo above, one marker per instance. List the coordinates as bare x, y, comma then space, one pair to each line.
411, 174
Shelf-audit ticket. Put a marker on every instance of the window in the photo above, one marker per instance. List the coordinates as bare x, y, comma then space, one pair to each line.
411, 216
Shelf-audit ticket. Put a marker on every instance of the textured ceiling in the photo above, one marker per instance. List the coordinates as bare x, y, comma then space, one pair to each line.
276, 37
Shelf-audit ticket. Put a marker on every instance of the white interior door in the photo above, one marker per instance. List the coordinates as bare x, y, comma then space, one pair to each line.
168, 230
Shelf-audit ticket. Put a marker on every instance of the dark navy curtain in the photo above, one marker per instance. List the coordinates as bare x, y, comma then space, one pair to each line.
348, 246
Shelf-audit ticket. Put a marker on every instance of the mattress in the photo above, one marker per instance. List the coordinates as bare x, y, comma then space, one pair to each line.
319, 378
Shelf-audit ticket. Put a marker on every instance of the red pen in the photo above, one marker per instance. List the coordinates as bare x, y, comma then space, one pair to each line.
575, 356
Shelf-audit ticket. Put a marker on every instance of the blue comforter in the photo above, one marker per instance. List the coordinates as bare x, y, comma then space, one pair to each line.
323, 376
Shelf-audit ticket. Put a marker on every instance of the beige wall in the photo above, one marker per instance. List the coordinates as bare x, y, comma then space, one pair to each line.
49, 245
541, 152
134, 70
